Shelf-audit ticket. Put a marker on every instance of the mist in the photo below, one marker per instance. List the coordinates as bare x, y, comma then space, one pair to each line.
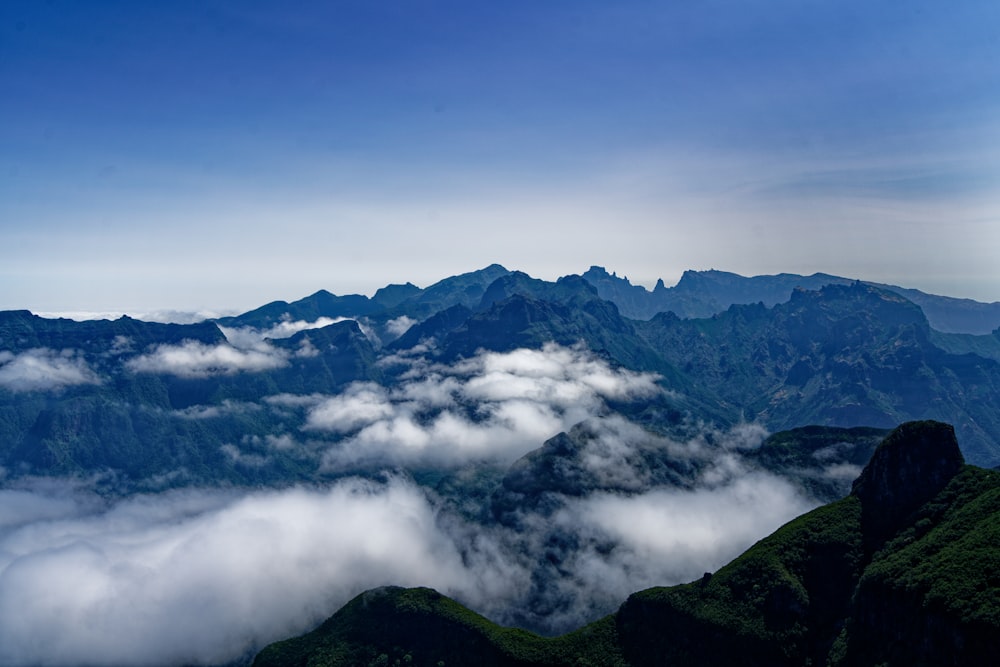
42, 369
210, 576
207, 576
492, 406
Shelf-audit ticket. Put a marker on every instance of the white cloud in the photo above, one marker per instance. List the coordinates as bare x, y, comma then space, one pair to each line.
225, 408
42, 369
236, 456
361, 404
844, 472
294, 401
399, 326
192, 359
204, 577
251, 338
677, 534
201, 578
492, 406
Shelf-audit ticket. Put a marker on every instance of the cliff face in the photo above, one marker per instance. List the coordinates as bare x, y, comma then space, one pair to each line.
931, 594
911, 466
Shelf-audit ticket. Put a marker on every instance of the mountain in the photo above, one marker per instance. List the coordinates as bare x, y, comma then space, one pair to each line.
20, 330
701, 294
390, 302
146, 405
309, 309
845, 355
147, 401
900, 572
823, 460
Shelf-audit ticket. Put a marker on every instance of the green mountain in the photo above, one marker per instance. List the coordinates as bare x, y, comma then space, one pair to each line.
900, 572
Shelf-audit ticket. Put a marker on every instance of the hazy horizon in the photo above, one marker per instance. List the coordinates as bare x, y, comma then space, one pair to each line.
218, 155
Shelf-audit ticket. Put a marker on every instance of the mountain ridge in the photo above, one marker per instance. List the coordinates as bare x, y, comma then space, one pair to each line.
700, 294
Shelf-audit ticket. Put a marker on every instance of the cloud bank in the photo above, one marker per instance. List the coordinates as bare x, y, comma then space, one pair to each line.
209, 576
42, 369
246, 350
193, 359
205, 577
495, 405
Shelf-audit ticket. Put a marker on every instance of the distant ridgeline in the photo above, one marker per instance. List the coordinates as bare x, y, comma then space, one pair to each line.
150, 405
706, 293
903, 571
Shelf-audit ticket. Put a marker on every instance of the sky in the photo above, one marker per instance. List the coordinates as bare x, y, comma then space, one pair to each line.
219, 155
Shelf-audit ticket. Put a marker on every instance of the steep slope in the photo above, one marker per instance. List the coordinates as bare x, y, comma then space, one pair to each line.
787, 599
901, 572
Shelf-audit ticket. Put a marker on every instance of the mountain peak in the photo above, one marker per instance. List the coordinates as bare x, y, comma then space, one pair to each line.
914, 462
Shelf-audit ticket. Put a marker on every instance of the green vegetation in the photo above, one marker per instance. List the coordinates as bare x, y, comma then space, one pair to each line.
420, 627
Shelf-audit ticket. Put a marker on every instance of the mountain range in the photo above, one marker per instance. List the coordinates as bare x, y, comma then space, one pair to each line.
547, 426
843, 355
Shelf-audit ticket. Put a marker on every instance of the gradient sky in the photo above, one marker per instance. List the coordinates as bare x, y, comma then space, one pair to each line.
219, 155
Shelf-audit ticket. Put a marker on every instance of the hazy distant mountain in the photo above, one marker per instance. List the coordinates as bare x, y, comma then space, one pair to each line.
706, 293
898, 572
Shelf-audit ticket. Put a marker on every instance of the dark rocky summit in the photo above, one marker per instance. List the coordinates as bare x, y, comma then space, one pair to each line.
911, 466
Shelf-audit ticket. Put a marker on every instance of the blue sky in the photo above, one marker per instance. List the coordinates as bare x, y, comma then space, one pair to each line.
223, 154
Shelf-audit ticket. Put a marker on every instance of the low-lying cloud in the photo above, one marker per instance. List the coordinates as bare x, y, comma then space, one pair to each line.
246, 350
251, 338
193, 359
495, 405
42, 369
205, 577
399, 326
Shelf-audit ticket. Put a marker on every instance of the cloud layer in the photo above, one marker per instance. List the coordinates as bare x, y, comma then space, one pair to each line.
204, 577
193, 359
42, 369
209, 576
495, 405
